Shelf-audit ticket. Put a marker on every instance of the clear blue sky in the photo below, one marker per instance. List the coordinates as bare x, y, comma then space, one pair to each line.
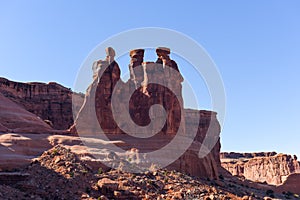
255, 44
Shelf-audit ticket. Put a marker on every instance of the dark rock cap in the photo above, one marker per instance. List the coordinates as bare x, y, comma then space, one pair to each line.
164, 50
138, 52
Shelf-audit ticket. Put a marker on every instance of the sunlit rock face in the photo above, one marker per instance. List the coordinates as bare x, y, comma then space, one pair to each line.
266, 167
51, 102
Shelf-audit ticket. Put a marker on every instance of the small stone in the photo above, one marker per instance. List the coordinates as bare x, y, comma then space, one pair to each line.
178, 195
102, 197
85, 196
57, 160
107, 185
117, 194
267, 198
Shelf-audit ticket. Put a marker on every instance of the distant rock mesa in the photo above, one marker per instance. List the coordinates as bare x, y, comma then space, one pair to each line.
270, 167
51, 102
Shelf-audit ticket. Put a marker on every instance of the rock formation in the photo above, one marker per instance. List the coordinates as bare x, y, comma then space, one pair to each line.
269, 167
14, 118
30, 113
291, 184
31, 108
50, 101
150, 83
235, 155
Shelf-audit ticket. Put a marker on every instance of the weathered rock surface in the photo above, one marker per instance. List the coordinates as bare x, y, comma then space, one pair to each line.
190, 162
97, 110
3, 129
50, 101
267, 167
16, 119
17, 150
292, 184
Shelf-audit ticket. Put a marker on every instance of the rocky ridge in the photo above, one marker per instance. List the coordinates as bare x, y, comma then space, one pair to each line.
14, 118
271, 168
281, 170
51, 102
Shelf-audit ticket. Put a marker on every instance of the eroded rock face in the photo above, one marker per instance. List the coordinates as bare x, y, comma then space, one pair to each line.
292, 184
14, 118
50, 101
143, 76
273, 169
31, 104
190, 162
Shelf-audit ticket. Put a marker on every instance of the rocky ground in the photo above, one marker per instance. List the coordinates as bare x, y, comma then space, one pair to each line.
59, 174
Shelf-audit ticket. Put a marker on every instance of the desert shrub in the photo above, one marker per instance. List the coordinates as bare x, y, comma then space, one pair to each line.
54, 152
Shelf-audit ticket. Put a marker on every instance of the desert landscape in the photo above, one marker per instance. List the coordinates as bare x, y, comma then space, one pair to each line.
44, 151
149, 100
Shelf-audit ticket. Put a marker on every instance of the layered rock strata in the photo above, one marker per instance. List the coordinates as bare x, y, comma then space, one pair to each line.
270, 167
51, 102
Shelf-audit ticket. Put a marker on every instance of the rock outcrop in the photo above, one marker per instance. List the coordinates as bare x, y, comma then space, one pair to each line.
190, 162
149, 84
42, 108
18, 149
291, 184
14, 118
269, 167
51, 101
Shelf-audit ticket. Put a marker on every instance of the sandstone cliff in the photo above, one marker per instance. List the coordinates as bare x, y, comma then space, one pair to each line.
292, 184
269, 167
150, 84
26, 107
14, 118
50, 101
